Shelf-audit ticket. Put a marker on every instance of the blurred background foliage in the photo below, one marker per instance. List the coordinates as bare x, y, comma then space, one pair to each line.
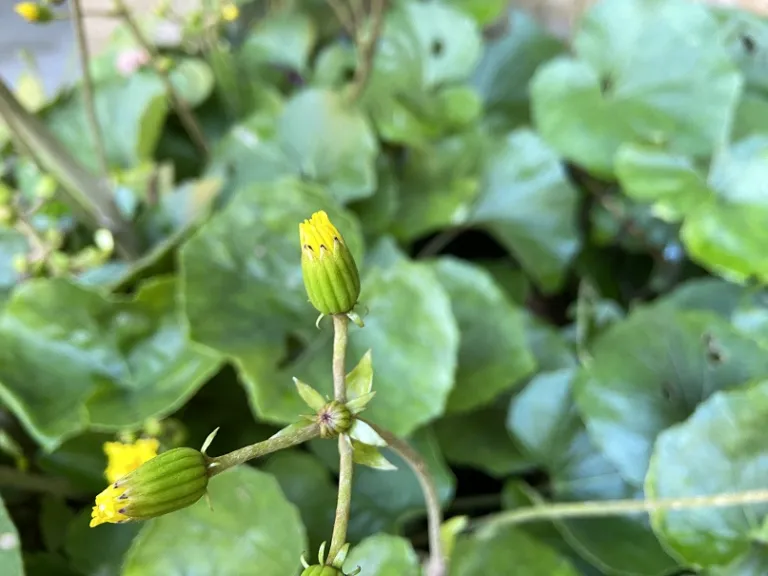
562, 246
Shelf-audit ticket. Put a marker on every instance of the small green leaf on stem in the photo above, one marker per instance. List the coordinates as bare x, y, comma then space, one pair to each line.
450, 530
209, 441
368, 455
357, 405
360, 379
363, 433
311, 397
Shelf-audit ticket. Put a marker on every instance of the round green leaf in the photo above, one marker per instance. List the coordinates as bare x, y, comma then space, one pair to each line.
330, 142
479, 439
306, 482
10, 546
650, 371
384, 555
727, 233
117, 361
505, 550
493, 351
507, 66
670, 181
131, 112
545, 422
660, 76
720, 448
529, 204
284, 38
193, 80
251, 525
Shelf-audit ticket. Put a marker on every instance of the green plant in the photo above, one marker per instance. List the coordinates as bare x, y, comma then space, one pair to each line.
552, 254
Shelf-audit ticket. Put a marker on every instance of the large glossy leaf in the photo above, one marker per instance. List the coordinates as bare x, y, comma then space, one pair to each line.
493, 351
505, 550
329, 142
251, 526
282, 39
726, 233
75, 358
650, 371
508, 64
413, 332
720, 448
479, 439
131, 112
307, 483
384, 555
10, 546
528, 203
663, 77
544, 420
241, 271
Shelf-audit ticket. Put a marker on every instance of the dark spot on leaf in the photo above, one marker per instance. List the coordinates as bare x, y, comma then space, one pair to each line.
437, 47
714, 353
348, 74
749, 43
606, 84
666, 390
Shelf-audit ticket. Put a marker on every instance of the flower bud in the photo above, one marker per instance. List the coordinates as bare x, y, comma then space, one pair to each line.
322, 570
330, 273
166, 483
33, 12
334, 419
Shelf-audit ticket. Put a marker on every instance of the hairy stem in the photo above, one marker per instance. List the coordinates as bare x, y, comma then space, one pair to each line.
88, 99
179, 104
340, 331
437, 561
597, 508
280, 441
344, 500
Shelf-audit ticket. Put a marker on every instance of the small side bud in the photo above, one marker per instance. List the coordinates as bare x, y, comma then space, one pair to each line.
169, 482
334, 419
329, 270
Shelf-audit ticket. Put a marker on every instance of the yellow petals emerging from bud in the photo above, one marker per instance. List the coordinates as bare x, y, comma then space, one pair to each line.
169, 482
330, 273
230, 12
123, 458
33, 12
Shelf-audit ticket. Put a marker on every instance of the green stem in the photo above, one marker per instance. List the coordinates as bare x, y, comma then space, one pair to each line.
598, 508
366, 49
344, 499
340, 332
179, 104
280, 441
88, 99
13, 478
437, 561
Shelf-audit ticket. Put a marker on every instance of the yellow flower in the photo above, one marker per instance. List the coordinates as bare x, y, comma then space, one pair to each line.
329, 270
124, 458
230, 12
33, 12
108, 506
168, 482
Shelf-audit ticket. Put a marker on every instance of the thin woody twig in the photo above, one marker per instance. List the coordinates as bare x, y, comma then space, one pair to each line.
182, 109
366, 49
88, 93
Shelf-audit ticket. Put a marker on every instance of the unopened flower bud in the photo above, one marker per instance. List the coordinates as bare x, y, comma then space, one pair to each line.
166, 483
330, 273
34, 12
322, 570
334, 419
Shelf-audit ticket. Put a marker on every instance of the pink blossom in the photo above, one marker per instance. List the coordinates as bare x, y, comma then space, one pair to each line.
130, 60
